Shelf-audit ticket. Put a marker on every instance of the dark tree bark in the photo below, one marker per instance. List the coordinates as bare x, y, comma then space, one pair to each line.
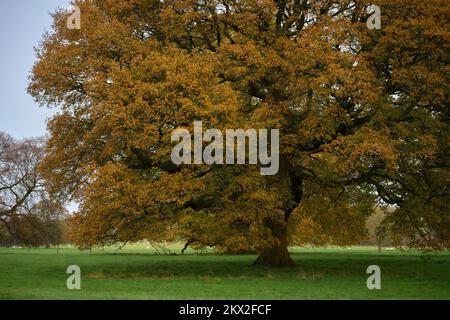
186, 245
278, 254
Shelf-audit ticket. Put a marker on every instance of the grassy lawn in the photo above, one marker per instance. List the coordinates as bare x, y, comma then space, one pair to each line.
136, 272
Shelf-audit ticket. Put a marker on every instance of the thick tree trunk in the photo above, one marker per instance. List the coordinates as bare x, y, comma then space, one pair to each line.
278, 254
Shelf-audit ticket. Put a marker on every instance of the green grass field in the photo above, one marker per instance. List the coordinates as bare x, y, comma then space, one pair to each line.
136, 272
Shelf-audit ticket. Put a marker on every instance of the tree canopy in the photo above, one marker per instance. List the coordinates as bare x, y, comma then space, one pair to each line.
363, 118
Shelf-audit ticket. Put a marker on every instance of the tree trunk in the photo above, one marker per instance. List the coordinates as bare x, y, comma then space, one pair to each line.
277, 255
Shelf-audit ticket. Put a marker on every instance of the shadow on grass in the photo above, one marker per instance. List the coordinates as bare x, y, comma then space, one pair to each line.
312, 265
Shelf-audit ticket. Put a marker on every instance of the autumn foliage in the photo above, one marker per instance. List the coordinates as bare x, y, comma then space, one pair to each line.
363, 118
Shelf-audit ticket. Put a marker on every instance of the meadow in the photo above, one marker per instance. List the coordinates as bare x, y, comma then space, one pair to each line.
141, 272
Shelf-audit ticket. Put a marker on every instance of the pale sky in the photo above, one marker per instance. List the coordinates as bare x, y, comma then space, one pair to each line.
22, 23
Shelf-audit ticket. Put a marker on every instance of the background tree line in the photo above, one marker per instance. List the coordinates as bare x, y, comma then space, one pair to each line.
28, 217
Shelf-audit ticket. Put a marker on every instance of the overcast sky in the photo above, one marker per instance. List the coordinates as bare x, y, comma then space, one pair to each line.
22, 23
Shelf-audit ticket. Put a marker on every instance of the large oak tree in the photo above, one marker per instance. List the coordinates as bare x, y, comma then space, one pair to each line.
363, 118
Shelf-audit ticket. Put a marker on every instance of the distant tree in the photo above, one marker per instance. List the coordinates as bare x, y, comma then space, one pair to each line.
363, 118
53, 218
27, 216
20, 181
